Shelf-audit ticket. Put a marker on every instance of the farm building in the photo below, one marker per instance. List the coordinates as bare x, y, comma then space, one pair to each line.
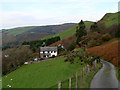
46, 52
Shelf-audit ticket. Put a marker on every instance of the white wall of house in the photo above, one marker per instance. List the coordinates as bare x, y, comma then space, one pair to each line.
41, 52
46, 51
54, 53
51, 53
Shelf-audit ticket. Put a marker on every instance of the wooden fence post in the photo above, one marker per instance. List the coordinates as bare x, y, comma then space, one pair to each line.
88, 68
95, 63
81, 75
70, 83
59, 85
83, 72
76, 81
81, 78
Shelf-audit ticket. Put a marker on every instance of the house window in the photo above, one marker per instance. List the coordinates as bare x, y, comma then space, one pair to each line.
51, 51
43, 51
48, 52
54, 51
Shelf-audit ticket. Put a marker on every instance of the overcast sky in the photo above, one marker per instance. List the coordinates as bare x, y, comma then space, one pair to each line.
17, 13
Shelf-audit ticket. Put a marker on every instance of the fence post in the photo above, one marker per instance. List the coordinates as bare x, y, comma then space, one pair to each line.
81, 75
70, 83
59, 85
95, 64
83, 72
76, 81
88, 68
81, 78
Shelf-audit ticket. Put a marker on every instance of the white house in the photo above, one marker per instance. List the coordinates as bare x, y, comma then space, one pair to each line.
48, 52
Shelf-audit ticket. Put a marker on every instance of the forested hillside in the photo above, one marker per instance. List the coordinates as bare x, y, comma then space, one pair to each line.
16, 36
108, 24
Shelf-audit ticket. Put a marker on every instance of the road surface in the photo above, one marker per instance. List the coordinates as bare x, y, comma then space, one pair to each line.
106, 77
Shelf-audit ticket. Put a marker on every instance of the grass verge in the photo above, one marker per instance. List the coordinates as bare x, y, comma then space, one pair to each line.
87, 81
84, 83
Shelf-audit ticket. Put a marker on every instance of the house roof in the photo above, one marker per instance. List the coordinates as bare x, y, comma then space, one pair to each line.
48, 48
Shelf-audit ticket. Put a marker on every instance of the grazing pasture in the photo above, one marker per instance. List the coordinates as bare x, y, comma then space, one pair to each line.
41, 75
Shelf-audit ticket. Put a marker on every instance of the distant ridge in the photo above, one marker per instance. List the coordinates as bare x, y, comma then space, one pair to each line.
20, 34
28, 33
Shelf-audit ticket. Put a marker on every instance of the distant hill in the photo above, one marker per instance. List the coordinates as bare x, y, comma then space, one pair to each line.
70, 31
20, 34
108, 24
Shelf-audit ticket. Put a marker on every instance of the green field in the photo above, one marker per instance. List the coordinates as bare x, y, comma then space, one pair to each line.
48, 74
82, 83
41, 75
64, 34
68, 32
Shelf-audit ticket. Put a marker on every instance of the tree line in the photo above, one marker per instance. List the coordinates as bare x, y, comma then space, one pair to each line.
34, 45
95, 37
13, 58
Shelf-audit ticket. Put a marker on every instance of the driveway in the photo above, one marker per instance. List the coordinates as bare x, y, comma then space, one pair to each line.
106, 77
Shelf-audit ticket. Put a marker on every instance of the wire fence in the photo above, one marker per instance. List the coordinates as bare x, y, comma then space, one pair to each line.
77, 79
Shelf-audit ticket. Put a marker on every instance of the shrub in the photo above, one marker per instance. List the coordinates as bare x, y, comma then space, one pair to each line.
69, 59
71, 47
94, 39
108, 51
91, 43
119, 74
106, 37
94, 28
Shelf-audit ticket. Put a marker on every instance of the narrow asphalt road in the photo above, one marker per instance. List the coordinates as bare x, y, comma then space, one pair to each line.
106, 77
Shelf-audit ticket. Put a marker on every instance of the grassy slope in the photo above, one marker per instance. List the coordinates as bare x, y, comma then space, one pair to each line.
54, 28
68, 32
64, 34
41, 75
84, 83
109, 19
